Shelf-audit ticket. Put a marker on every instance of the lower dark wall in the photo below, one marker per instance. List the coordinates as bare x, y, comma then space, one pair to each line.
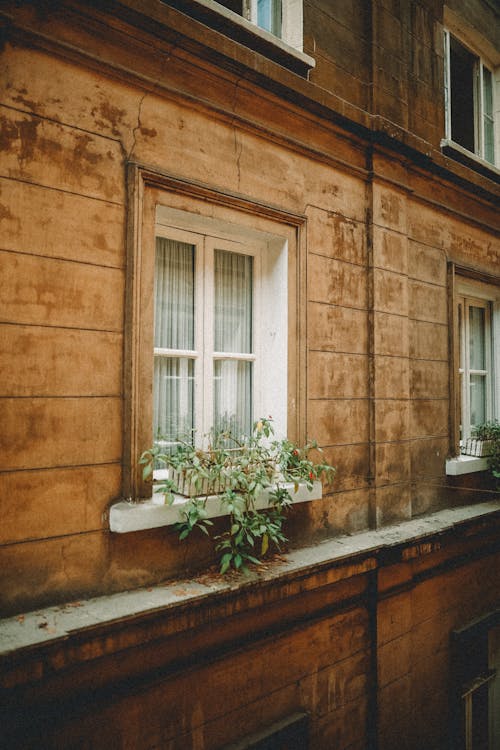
361, 645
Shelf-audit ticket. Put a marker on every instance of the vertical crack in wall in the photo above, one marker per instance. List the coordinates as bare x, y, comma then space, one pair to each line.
238, 144
137, 127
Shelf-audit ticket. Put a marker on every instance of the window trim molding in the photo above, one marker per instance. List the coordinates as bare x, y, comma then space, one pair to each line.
144, 183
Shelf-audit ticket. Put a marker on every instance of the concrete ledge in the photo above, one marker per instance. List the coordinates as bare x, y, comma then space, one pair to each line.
331, 561
127, 516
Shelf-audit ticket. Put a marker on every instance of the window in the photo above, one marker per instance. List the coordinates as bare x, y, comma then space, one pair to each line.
474, 319
267, 14
220, 328
212, 327
273, 28
469, 100
205, 335
475, 385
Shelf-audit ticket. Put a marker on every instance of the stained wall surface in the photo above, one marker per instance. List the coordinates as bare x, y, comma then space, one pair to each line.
379, 231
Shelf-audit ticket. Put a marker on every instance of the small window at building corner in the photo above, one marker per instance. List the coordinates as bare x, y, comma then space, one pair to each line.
469, 100
267, 14
478, 342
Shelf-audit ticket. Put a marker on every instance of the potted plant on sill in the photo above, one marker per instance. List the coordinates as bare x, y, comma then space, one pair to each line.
238, 471
488, 436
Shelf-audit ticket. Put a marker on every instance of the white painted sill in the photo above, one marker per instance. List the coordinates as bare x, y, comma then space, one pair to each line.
469, 158
465, 465
126, 516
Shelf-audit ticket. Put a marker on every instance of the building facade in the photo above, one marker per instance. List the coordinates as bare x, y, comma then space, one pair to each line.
334, 168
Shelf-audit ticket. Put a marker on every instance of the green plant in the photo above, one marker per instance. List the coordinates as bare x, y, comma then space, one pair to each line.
237, 470
490, 431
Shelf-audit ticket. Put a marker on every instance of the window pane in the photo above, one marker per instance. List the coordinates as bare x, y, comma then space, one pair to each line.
488, 122
233, 302
477, 338
462, 64
233, 396
487, 92
477, 399
173, 398
269, 16
174, 295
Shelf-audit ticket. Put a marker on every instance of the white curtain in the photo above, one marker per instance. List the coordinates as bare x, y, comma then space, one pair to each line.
174, 329
477, 348
233, 334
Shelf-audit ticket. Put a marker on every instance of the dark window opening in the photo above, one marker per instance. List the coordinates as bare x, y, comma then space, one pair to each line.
462, 78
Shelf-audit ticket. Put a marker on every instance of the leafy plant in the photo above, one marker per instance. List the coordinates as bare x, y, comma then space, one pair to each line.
491, 431
237, 470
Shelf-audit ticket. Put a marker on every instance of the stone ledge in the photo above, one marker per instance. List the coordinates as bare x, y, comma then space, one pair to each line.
331, 561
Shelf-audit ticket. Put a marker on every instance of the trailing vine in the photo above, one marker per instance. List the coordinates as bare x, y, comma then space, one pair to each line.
237, 470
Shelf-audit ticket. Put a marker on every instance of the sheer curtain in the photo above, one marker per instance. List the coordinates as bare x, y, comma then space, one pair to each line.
477, 349
173, 388
233, 282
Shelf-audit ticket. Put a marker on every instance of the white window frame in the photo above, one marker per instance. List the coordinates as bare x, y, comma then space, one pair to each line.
203, 354
465, 370
270, 323
478, 93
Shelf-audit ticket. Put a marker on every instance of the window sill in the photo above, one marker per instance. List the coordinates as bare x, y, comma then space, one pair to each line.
465, 465
126, 516
469, 159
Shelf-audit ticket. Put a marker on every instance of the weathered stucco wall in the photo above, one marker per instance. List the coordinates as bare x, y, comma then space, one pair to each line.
355, 631
379, 232
360, 644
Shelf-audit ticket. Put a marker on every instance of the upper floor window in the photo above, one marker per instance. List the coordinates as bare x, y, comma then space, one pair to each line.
272, 28
220, 327
474, 320
469, 100
267, 14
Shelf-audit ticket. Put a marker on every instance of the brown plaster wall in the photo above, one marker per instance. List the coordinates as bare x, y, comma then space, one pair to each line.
379, 232
361, 646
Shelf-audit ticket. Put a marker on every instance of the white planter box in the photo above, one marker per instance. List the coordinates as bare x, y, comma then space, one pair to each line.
475, 447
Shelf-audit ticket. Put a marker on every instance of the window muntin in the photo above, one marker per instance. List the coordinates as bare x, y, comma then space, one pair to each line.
469, 100
206, 337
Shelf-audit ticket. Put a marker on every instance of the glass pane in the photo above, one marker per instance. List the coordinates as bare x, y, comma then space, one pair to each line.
174, 295
233, 302
487, 92
477, 342
173, 392
269, 16
488, 123
233, 396
477, 399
